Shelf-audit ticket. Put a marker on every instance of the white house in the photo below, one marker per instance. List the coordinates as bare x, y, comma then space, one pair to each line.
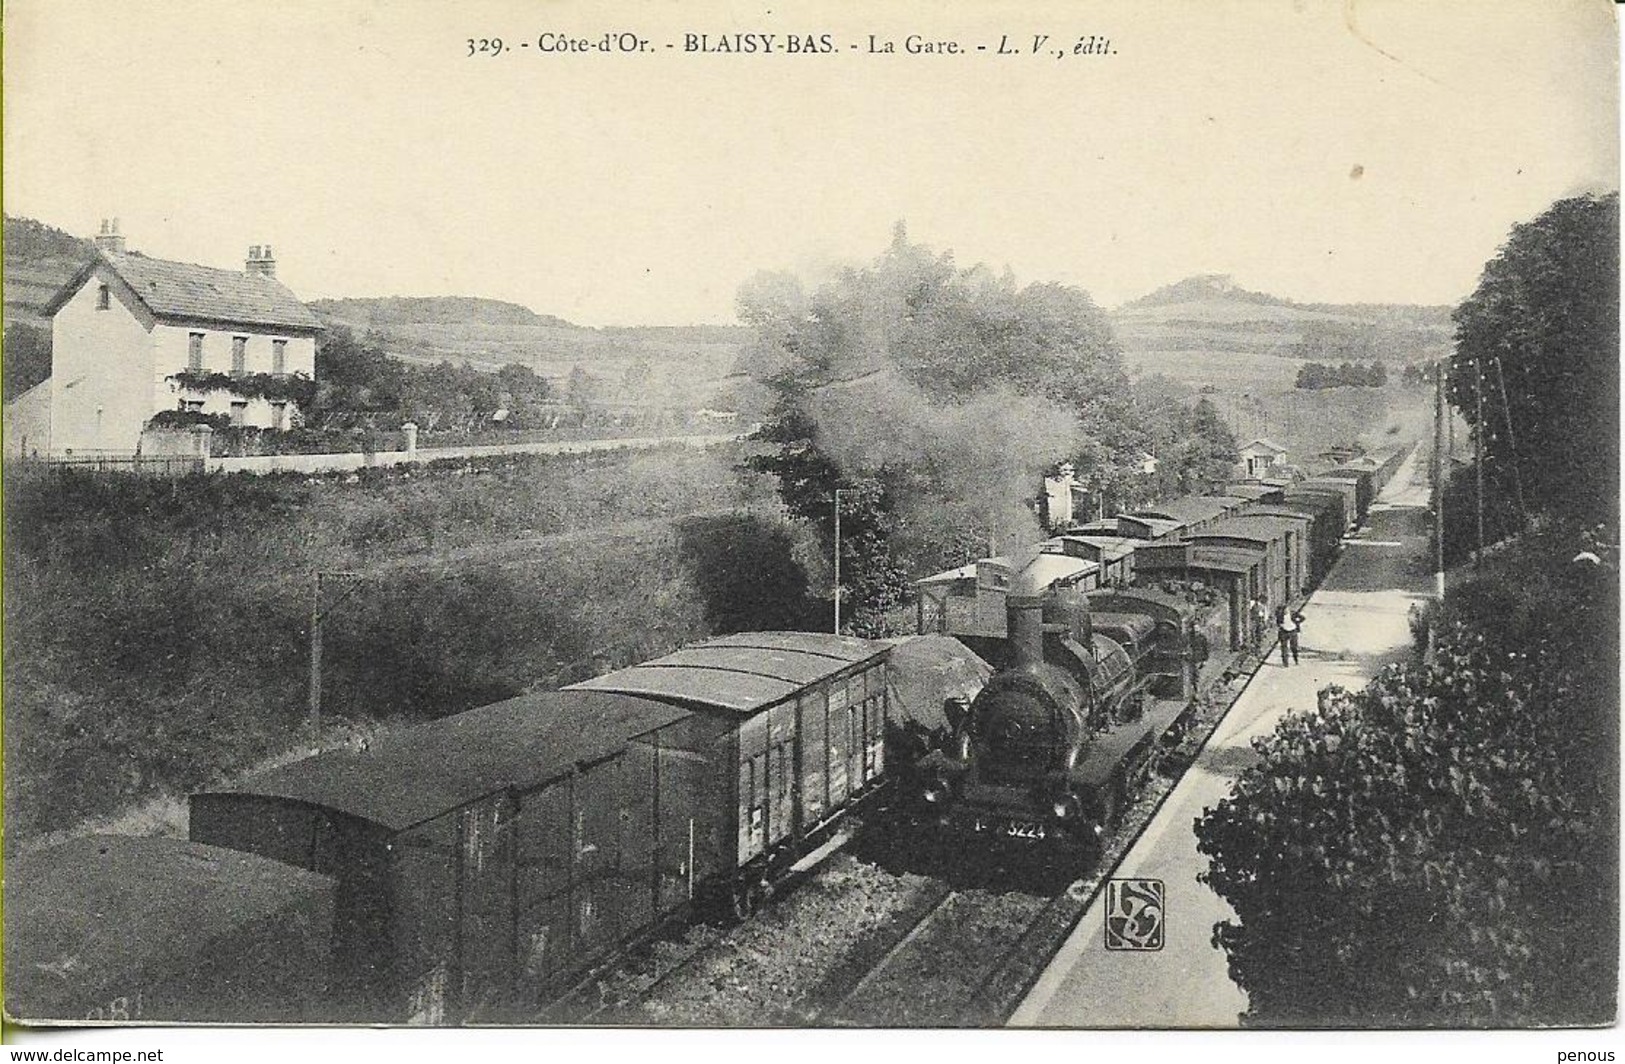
126, 325
1261, 457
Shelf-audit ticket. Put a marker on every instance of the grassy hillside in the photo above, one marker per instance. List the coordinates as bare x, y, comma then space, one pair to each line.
1242, 350
157, 633
39, 259
690, 366
1212, 314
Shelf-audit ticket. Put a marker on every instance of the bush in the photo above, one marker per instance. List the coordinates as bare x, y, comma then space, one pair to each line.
185, 419
1438, 849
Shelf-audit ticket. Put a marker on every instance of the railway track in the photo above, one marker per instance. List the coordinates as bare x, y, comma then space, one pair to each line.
972, 956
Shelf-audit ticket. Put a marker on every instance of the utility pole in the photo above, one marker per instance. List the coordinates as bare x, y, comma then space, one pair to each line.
316, 654
837, 561
317, 614
1440, 459
1478, 455
1512, 444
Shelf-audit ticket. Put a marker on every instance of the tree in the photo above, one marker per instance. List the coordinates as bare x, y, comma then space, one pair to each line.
581, 388
636, 379
1439, 848
1539, 340
933, 397
27, 359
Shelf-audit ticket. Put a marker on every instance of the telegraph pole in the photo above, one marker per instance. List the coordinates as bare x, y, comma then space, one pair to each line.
837, 561
317, 614
1512, 444
1478, 456
316, 653
1440, 459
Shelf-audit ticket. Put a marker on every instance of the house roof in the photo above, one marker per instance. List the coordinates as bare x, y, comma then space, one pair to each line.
181, 290
1264, 443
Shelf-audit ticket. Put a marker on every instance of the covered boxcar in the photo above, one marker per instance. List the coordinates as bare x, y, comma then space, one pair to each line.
1281, 538
1364, 481
1319, 532
128, 929
1329, 500
803, 717
1348, 489
485, 860
485, 851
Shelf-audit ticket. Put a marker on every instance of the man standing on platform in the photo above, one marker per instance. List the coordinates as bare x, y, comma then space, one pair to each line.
1287, 624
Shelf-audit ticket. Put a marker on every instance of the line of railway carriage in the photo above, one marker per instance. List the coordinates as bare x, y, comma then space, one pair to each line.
464, 869
1102, 635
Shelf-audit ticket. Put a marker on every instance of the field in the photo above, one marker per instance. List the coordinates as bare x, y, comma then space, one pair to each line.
675, 366
1255, 396
157, 632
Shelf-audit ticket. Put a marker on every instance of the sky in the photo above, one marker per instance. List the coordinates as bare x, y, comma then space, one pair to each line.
1321, 150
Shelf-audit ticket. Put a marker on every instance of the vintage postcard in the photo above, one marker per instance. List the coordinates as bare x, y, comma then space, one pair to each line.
1076, 516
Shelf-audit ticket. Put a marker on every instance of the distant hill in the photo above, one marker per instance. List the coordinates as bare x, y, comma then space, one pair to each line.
384, 311
39, 260
1210, 313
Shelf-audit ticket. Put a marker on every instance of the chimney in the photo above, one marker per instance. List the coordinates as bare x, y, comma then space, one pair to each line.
260, 261
109, 239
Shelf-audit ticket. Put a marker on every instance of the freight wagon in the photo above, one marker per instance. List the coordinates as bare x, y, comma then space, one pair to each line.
485, 860
124, 930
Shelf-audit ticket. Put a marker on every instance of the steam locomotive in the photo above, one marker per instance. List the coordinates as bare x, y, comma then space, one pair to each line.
1090, 693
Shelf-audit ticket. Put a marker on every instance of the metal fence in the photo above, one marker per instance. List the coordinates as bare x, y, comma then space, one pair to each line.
157, 465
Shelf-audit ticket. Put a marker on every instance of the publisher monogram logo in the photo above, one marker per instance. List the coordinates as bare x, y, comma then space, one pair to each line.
1134, 913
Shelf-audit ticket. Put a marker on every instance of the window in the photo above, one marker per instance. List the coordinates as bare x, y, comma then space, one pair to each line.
279, 416
239, 355
239, 414
279, 357
194, 352
193, 405
104, 298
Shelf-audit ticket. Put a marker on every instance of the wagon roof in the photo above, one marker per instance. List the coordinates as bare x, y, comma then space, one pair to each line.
1281, 510
1191, 508
1035, 572
100, 911
1253, 492
1112, 546
742, 673
1157, 526
1323, 483
421, 772
1312, 502
1247, 526
950, 576
1224, 559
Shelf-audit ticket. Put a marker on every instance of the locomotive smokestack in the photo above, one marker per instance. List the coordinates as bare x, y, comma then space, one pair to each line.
1024, 614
